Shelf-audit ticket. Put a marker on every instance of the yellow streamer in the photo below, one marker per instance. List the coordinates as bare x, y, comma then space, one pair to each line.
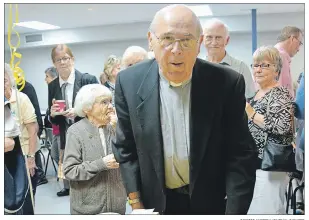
18, 73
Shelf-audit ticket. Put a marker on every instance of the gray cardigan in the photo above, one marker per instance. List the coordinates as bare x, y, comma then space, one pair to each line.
94, 188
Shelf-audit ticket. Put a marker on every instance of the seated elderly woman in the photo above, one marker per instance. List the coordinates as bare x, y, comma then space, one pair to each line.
89, 164
270, 114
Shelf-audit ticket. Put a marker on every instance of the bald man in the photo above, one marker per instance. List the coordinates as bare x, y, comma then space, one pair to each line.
216, 38
182, 139
133, 55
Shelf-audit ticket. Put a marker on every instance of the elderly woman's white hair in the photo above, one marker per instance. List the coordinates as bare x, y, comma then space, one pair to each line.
86, 96
8, 70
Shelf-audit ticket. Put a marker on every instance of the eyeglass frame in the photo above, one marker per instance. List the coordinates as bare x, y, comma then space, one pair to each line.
179, 40
64, 59
255, 66
300, 43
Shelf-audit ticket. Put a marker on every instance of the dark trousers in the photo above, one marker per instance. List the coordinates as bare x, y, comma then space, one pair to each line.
38, 162
177, 203
27, 208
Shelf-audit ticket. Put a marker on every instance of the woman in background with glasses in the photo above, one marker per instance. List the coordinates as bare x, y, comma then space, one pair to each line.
269, 191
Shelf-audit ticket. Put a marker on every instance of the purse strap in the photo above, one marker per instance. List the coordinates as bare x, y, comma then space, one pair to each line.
267, 111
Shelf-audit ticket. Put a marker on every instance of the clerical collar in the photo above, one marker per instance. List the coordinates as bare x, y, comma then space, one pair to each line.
173, 84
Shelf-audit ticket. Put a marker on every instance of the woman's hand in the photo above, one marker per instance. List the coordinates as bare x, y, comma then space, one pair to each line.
31, 165
70, 113
113, 120
110, 161
249, 110
54, 108
9, 144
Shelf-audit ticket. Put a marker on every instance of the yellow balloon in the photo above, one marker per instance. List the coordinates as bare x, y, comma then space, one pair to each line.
18, 73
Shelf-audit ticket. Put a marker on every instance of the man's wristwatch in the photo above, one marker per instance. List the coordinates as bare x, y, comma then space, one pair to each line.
134, 198
30, 155
133, 201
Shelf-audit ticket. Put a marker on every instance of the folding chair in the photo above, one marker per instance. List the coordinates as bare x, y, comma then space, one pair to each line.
48, 144
302, 186
291, 193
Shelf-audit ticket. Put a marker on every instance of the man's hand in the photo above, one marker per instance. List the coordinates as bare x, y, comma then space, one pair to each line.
110, 161
31, 165
138, 205
9, 144
136, 195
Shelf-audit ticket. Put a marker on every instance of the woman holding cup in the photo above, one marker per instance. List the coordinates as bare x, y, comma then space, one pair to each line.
63, 90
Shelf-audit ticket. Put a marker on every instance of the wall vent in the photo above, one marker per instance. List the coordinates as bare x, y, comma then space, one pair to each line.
33, 38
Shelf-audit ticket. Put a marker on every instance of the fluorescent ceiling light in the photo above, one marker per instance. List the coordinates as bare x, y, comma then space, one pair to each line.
201, 10
37, 25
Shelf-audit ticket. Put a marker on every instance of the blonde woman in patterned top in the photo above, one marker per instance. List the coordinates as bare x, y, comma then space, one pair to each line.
89, 164
269, 191
110, 72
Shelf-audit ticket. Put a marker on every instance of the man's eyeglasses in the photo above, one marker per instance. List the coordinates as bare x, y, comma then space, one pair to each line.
300, 43
263, 65
168, 41
64, 59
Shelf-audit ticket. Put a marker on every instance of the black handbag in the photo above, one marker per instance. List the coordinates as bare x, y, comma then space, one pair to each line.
278, 157
16, 185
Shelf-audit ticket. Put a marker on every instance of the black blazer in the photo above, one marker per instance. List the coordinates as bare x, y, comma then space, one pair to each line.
31, 93
54, 92
222, 151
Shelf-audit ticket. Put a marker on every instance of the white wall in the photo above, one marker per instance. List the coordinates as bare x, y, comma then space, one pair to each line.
90, 58
138, 30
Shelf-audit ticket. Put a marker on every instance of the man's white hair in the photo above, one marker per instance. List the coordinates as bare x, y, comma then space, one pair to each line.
133, 54
214, 21
8, 70
86, 96
132, 50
